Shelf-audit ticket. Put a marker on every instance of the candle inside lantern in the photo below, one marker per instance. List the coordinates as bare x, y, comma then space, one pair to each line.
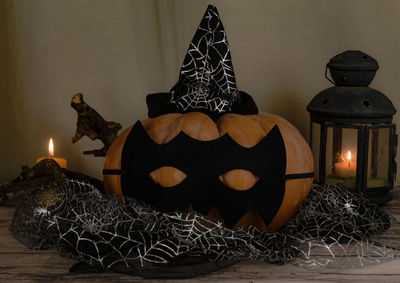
347, 168
60, 161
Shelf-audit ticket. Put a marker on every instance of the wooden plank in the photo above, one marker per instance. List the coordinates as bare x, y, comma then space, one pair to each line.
47, 272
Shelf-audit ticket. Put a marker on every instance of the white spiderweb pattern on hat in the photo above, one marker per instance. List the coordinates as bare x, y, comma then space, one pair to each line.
207, 80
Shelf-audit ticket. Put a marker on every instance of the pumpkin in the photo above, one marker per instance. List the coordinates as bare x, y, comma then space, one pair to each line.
206, 147
247, 131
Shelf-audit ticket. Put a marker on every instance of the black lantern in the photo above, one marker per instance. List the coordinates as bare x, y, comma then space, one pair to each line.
352, 136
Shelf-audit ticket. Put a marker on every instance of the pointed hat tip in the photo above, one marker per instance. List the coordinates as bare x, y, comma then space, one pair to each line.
212, 8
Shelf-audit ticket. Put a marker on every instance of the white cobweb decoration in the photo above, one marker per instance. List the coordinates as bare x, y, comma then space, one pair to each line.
334, 228
340, 229
207, 80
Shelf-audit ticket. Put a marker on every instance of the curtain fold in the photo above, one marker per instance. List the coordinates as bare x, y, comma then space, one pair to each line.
116, 52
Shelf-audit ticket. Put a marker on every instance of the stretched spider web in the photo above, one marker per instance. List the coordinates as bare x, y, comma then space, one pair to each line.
207, 80
333, 228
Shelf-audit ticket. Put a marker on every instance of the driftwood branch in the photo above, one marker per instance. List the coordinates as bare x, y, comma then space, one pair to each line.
45, 172
91, 124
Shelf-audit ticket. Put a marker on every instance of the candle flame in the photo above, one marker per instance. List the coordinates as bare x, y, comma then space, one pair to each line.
51, 148
349, 155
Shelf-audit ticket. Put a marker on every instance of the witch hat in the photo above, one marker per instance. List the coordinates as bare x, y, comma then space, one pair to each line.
206, 81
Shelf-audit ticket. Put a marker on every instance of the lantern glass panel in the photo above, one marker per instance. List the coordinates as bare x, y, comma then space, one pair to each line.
315, 147
341, 156
378, 158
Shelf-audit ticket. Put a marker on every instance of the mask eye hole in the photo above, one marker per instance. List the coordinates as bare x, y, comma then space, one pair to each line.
239, 179
167, 176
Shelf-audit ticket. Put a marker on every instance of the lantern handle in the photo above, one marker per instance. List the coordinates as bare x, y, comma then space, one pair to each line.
326, 75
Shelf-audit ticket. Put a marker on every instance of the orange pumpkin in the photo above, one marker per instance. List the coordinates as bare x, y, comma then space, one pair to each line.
245, 130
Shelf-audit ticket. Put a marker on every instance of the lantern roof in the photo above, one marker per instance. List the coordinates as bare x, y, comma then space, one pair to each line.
352, 68
353, 60
351, 100
352, 104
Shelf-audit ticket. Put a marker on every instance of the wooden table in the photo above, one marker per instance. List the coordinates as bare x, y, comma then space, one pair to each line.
20, 264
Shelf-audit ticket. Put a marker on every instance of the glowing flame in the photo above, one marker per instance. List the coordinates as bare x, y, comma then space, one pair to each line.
51, 148
349, 156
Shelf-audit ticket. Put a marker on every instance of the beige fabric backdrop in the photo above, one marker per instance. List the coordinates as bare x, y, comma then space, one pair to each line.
117, 51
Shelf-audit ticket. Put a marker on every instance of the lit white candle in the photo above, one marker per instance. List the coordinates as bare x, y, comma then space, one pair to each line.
60, 161
346, 169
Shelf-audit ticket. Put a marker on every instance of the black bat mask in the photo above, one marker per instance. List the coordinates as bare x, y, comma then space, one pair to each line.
203, 162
